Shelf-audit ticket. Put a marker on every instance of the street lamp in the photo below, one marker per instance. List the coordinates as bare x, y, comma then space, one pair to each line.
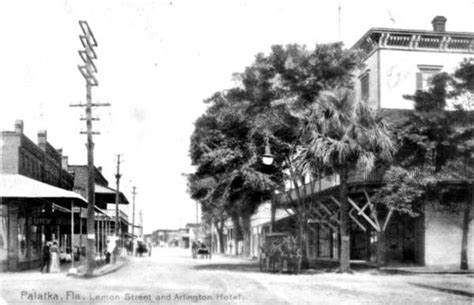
267, 157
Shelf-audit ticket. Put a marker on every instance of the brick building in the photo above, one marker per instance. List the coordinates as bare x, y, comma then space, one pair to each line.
36, 199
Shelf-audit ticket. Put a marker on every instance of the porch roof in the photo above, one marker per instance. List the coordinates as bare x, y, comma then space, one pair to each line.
19, 186
105, 194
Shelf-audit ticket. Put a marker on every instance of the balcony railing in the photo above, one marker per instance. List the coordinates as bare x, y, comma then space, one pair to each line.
362, 177
355, 177
122, 215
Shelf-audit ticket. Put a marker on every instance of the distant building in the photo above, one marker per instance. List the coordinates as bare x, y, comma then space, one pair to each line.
165, 238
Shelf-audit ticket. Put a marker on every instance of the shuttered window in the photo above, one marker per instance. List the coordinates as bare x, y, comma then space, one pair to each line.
364, 87
426, 72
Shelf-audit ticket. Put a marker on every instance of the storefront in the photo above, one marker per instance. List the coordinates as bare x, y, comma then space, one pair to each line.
31, 214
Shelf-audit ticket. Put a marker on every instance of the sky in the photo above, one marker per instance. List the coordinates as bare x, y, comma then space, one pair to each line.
157, 62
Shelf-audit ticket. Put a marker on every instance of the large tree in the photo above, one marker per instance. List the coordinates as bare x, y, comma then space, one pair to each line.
227, 180
273, 94
282, 86
344, 134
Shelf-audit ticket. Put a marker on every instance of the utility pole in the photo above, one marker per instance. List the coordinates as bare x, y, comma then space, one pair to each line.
339, 21
88, 69
117, 200
133, 213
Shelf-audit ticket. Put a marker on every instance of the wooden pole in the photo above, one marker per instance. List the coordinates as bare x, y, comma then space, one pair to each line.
72, 233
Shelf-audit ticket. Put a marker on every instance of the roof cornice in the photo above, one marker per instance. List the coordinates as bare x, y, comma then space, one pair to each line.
420, 40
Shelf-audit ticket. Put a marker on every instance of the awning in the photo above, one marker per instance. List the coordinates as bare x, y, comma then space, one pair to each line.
19, 186
105, 194
102, 212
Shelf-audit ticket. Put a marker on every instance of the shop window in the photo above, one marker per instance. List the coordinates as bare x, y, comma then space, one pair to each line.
22, 249
3, 234
35, 242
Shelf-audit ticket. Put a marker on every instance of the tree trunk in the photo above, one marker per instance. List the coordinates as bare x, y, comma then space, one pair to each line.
465, 230
246, 232
237, 234
303, 244
381, 249
344, 260
220, 235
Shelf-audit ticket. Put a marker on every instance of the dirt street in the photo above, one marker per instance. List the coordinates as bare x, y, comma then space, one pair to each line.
171, 276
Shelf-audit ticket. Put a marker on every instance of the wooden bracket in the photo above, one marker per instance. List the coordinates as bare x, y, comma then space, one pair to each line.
364, 215
356, 221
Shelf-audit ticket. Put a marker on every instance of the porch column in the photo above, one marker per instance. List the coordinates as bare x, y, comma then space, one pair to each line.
12, 213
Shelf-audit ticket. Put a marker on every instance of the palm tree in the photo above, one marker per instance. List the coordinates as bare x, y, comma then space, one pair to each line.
344, 134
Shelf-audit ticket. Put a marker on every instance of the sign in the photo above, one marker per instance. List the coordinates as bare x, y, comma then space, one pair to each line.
90, 236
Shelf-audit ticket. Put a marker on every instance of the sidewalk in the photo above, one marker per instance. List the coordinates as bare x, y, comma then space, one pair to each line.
101, 270
425, 270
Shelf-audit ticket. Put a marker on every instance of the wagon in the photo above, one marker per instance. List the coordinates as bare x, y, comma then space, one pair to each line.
200, 249
278, 252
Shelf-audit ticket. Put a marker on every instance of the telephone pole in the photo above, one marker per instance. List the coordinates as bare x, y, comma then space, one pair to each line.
88, 69
133, 213
118, 227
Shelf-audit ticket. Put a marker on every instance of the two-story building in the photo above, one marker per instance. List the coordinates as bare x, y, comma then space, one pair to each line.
105, 216
36, 199
397, 62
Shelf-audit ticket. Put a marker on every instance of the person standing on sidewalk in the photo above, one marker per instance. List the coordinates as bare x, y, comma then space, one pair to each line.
54, 258
46, 257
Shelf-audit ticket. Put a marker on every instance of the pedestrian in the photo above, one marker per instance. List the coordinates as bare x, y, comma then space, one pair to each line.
46, 257
149, 249
54, 267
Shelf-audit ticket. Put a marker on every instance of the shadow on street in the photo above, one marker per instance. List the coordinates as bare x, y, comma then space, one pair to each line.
446, 290
240, 267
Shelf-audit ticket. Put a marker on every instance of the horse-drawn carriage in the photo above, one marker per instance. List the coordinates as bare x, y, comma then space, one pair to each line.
200, 249
280, 251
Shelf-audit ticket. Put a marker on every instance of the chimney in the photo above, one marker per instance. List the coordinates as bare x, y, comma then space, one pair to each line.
42, 138
439, 24
65, 162
19, 126
99, 168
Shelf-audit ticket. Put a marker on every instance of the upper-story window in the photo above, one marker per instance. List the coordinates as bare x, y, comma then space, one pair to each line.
364, 86
425, 73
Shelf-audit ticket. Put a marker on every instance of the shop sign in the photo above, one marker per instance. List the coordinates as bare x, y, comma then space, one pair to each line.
41, 221
49, 221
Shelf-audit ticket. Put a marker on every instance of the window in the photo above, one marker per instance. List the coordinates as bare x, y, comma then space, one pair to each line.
3, 234
22, 239
364, 86
426, 72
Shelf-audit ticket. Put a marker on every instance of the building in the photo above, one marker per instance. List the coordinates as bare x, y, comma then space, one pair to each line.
397, 62
36, 199
400, 61
105, 209
165, 238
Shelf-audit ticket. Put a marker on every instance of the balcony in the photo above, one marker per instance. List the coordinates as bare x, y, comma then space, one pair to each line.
356, 177
364, 178
123, 216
